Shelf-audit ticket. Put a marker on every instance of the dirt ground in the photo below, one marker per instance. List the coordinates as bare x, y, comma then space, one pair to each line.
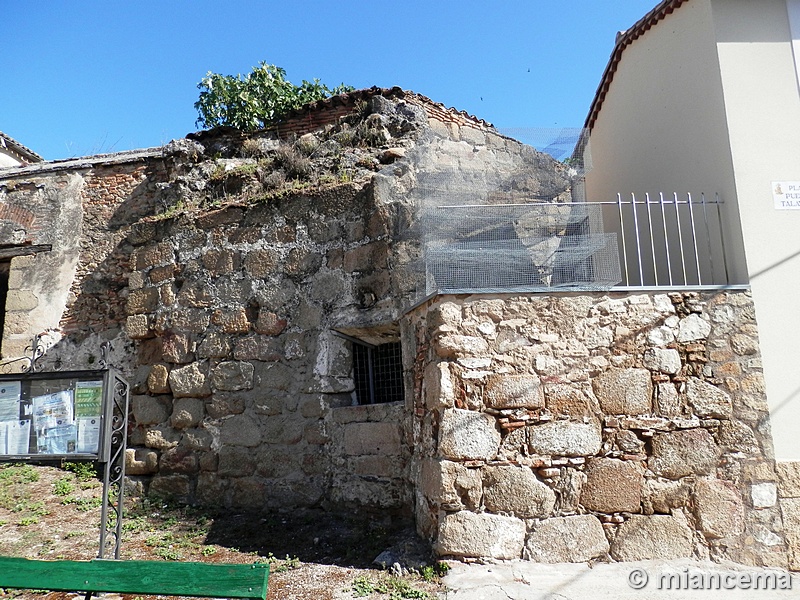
53, 513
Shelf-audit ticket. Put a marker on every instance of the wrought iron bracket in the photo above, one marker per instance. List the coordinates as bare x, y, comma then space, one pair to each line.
114, 470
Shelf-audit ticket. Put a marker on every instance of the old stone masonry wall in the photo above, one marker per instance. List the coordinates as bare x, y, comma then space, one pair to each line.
243, 397
577, 427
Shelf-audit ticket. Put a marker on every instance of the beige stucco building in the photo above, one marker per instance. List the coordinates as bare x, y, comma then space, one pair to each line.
701, 96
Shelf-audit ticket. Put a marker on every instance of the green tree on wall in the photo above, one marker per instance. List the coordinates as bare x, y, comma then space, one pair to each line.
256, 100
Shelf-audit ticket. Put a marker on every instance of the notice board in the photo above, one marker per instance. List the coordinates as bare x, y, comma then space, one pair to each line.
61, 415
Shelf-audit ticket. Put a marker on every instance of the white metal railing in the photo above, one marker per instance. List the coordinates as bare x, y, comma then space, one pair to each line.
668, 241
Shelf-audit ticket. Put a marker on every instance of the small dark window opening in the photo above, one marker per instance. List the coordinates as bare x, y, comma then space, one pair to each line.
378, 373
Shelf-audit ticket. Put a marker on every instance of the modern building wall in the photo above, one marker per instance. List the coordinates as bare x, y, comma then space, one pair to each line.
662, 128
707, 101
763, 112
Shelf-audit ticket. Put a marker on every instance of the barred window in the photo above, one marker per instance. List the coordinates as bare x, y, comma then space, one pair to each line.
377, 372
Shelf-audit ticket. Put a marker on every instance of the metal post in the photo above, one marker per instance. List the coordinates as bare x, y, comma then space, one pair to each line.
722, 239
638, 241
666, 237
708, 237
680, 237
114, 467
652, 238
370, 375
694, 240
622, 235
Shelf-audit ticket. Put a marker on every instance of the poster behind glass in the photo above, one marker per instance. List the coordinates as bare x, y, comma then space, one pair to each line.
51, 417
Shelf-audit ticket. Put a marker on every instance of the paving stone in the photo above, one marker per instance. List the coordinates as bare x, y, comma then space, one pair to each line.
663, 496
178, 460
564, 399
450, 485
682, 453
170, 487
456, 346
240, 430
468, 435
138, 327
231, 376
158, 380
612, 486
565, 438
140, 461
189, 381
439, 389
788, 478
764, 495
708, 400
693, 328
718, 508
663, 360
668, 401
186, 412
371, 438
268, 323
149, 410
514, 391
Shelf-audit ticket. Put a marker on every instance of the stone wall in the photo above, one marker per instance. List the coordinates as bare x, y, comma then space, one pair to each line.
241, 376
551, 428
789, 498
75, 294
575, 427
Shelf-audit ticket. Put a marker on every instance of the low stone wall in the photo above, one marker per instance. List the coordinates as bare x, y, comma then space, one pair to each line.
369, 455
577, 427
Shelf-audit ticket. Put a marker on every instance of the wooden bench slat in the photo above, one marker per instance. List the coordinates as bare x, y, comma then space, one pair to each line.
137, 577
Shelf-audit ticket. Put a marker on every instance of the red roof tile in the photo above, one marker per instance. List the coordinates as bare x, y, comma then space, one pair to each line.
625, 39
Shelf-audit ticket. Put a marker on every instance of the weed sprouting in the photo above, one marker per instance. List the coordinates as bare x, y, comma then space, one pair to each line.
396, 587
63, 487
84, 471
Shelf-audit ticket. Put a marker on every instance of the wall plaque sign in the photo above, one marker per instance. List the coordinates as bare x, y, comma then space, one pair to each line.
786, 195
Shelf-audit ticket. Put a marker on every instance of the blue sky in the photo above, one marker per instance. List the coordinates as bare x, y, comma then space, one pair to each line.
84, 77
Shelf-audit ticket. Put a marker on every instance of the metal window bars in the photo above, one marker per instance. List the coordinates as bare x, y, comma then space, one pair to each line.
661, 241
670, 241
377, 372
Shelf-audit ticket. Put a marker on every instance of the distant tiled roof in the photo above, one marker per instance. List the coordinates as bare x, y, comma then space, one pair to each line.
26, 155
625, 39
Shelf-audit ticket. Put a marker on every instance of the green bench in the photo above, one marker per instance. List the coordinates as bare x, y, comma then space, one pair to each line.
136, 577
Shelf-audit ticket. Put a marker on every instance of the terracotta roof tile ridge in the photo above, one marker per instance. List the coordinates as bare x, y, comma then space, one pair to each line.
23, 151
625, 39
84, 162
366, 93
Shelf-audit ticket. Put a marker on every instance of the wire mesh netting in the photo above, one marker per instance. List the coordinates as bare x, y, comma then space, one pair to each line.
531, 246
558, 142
